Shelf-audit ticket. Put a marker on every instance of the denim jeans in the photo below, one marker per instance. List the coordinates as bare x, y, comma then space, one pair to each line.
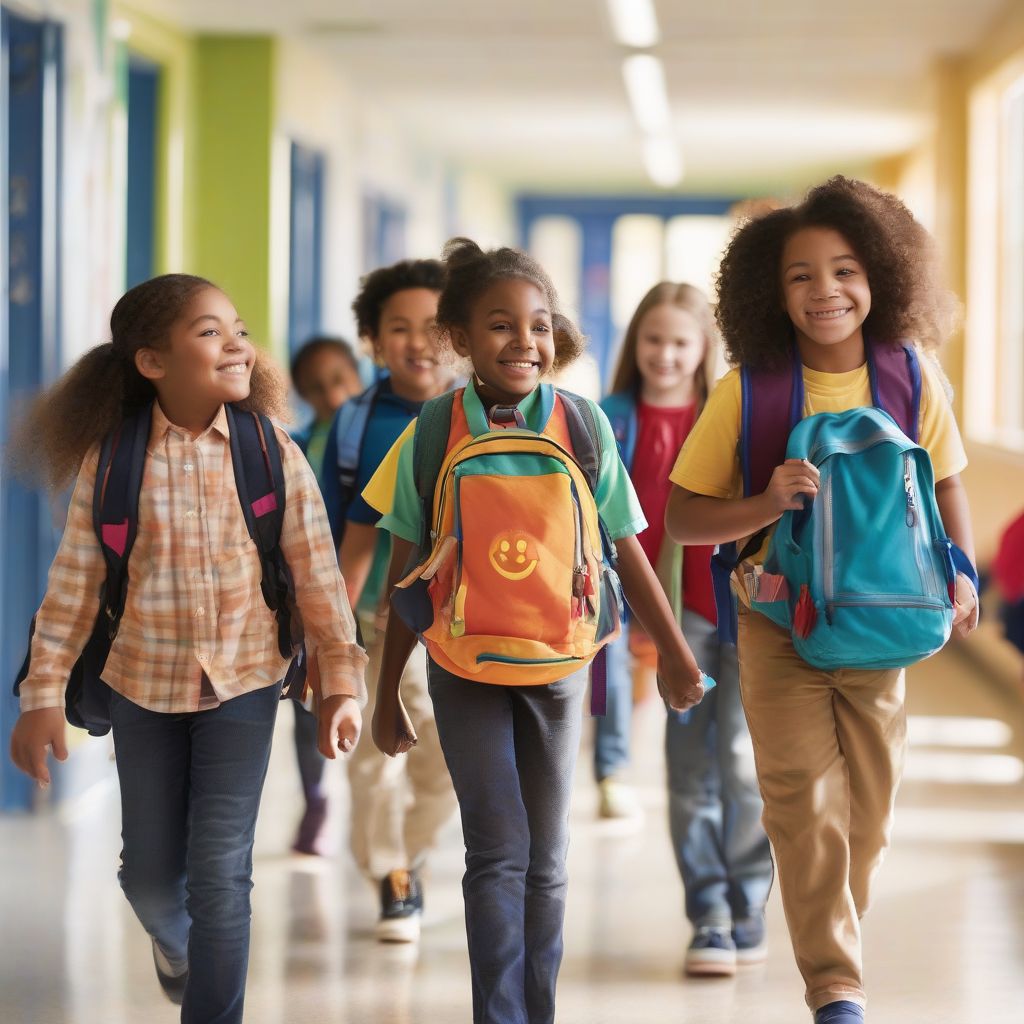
190, 792
311, 762
511, 752
714, 803
612, 729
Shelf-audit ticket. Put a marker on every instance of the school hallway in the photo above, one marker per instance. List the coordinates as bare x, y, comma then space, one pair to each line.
944, 941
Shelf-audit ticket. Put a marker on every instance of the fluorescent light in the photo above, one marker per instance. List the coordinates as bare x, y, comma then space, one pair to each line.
648, 96
634, 22
662, 160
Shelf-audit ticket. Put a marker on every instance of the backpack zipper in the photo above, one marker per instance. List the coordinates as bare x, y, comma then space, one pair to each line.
505, 659
458, 609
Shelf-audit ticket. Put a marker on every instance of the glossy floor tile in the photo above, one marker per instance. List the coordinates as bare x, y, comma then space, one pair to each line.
944, 942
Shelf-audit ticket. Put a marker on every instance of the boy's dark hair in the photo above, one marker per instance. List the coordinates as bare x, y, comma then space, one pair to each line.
379, 285
471, 271
898, 254
104, 386
321, 343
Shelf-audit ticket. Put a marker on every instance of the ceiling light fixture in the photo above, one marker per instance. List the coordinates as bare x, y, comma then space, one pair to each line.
634, 22
662, 160
648, 95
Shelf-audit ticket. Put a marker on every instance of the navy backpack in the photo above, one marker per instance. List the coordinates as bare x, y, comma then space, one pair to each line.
259, 480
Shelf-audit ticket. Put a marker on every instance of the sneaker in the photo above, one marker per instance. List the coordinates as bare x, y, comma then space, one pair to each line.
617, 800
751, 942
841, 1012
712, 953
172, 979
401, 907
307, 839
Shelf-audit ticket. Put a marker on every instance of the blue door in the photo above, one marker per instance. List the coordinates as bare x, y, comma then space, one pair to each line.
30, 92
143, 94
305, 302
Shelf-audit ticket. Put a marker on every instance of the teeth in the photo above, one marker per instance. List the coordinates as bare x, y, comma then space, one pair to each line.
519, 365
830, 314
234, 368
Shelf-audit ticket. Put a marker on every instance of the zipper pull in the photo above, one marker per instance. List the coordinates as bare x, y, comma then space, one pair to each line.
458, 627
908, 485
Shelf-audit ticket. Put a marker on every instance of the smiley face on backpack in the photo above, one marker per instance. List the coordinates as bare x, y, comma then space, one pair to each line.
514, 555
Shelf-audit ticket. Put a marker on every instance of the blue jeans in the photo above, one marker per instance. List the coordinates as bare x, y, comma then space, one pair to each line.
612, 729
714, 802
190, 792
511, 752
311, 762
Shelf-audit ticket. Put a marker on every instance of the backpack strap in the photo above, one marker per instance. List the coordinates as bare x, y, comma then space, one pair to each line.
620, 408
584, 435
895, 374
349, 431
115, 507
259, 481
772, 404
429, 447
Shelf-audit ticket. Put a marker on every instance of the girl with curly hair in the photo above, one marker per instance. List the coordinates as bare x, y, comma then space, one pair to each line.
511, 748
824, 281
194, 670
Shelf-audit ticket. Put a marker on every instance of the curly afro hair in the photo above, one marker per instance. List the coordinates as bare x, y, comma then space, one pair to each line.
470, 271
907, 302
379, 285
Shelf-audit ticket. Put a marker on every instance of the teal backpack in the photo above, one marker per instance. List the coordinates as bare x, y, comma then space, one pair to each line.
863, 576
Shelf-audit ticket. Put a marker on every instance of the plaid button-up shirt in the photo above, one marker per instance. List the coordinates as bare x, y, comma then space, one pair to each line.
196, 630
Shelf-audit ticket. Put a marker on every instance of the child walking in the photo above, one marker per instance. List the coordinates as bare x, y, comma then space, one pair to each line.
834, 282
324, 374
398, 804
661, 384
511, 748
194, 670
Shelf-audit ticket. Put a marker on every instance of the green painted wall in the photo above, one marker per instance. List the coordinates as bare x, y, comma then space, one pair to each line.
230, 202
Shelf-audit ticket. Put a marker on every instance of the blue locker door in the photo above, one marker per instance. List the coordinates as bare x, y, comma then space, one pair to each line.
143, 95
30, 89
305, 302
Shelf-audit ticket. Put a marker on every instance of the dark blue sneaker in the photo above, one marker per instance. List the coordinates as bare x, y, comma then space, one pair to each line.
751, 944
841, 1012
712, 953
401, 907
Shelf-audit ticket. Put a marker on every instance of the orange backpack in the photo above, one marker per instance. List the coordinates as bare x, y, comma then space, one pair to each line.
512, 584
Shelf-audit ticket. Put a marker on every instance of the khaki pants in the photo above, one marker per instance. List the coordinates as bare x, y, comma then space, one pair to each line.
829, 749
399, 804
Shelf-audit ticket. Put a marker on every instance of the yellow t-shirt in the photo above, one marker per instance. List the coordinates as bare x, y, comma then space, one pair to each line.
709, 460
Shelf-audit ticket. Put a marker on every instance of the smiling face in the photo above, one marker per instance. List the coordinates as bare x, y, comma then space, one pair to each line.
405, 343
827, 297
509, 339
207, 360
670, 347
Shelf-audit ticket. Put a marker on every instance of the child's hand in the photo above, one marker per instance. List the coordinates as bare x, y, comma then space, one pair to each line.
965, 606
33, 732
393, 732
679, 680
791, 482
339, 721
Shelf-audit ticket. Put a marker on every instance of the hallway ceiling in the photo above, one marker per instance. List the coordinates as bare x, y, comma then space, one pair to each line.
532, 92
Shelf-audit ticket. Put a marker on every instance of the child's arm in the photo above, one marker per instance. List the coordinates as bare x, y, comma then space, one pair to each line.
64, 623
392, 731
356, 557
692, 518
956, 518
677, 666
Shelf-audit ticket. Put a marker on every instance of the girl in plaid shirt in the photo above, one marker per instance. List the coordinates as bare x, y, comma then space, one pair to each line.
194, 670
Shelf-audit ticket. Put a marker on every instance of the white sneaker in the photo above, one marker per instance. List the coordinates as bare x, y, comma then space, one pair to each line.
616, 800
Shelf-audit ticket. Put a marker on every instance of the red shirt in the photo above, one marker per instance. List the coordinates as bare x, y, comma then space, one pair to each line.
659, 436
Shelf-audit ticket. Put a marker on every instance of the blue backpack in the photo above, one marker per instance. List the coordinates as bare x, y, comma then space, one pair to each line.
864, 576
